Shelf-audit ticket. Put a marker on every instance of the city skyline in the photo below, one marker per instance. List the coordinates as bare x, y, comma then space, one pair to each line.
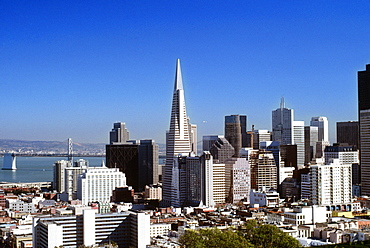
71, 70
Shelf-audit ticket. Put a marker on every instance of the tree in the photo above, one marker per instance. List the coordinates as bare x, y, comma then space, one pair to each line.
213, 237
267, 236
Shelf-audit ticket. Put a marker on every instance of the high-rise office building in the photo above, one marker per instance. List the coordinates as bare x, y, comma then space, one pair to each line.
137, 159
66, 175
207, 187
235, 131
209, 140
237, 180
288, 155
96, 184
119, 133
264, 173
298, 139
177, 142
59, 174
260, 136
221, 150
282, 124
193, 138
311, 137
323, 127
364, 116
347, 132
274, 147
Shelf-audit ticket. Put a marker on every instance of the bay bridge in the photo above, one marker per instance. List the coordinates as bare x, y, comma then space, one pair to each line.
10, 162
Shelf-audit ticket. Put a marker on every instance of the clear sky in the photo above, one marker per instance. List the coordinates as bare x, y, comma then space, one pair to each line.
73, 68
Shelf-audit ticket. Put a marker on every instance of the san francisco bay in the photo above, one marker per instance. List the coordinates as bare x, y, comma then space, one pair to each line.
38, 169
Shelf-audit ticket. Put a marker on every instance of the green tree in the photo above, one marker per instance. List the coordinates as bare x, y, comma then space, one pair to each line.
267, 236
213, 237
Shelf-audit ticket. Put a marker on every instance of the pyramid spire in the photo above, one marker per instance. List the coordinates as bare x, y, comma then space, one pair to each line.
178, 77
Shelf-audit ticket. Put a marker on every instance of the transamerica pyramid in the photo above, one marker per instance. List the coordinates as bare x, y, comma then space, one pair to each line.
178, 142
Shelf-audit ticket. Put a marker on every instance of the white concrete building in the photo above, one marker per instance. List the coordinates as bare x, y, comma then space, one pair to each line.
21, 206
302, 215
96, 184
264, 198
345, 154
126, 229
298, 139
331, 183
159, 229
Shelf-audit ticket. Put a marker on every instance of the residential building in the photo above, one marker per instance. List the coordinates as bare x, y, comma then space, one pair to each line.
331, 183
303, 215
264, 198
153, 192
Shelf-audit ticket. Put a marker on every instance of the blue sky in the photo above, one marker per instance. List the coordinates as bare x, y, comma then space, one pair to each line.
73, 68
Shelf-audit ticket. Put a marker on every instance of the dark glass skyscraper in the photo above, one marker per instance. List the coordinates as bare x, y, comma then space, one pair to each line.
364, 117
236, 131
347, 132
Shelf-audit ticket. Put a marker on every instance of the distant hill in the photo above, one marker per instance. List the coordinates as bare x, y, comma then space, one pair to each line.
24, 146
8, 145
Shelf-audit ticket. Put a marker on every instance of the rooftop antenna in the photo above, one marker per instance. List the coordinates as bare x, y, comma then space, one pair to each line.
282, 103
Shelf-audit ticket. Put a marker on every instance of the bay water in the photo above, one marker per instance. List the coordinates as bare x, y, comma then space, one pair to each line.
38, 169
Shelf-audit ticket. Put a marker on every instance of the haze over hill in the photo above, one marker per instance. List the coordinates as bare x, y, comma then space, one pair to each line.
24, 146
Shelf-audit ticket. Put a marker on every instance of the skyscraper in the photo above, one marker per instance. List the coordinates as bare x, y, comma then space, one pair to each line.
282, 124
311, 137
298, 139
323, 126
347, 132
178, 142
263, 170
98, 183
364, 116
221, 150
209, 140
137, 159
235, 131
119, 133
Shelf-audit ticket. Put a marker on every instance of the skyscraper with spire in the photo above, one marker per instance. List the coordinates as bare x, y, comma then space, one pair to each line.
178, 142
282, 124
